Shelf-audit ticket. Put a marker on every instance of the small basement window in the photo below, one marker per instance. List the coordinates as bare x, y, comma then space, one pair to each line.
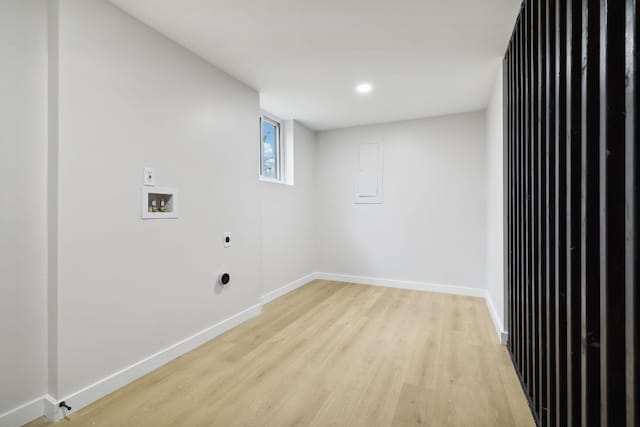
270, 148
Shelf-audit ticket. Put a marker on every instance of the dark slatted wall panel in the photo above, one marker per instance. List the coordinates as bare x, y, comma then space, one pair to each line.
572, 189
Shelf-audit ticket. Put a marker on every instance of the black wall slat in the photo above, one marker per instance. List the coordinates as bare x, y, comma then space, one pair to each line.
516, 207
574, 251
522, 224
511, 209
590, 223
632, 219
519, 173
530, 361
560, 332
572, 184
528, 181
514, 336
514, 219
519, 221
533, 144
542, 196
548, 413
509, 200
612, 213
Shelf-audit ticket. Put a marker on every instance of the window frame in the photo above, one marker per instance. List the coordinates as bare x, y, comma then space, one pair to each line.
278, 146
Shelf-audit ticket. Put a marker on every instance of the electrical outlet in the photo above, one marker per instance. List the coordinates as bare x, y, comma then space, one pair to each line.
227, 239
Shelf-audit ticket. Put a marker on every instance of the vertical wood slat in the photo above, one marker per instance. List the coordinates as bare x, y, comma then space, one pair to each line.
509, 197
525, 199
513, 332
518, 177
514, 295
512, 256
612, 212
603, 199
509, 214
521, 178
548, 404
514, 216
518, 174
514, 171
527, 186
574, 244
542, 256
560, 386
632, 189
533, 114
590, 307
529, 362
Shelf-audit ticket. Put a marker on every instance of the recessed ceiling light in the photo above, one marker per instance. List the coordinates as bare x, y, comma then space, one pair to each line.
363, 88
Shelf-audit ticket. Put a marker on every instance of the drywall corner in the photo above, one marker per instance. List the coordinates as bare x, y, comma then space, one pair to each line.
52, 196
495, 202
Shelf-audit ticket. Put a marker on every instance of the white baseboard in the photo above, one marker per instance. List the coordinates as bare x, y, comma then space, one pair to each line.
48, 406
23, 414
51, 410
404, 284
97, 390
291, 286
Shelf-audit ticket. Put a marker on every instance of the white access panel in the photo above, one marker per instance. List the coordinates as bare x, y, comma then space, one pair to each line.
369, 181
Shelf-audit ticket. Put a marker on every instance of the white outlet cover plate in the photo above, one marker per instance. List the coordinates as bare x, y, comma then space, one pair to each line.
149, 176
224, 239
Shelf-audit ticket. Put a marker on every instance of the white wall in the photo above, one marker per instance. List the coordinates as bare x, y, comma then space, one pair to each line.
494, 185
431, 227
130, 98
288, 218
23, 201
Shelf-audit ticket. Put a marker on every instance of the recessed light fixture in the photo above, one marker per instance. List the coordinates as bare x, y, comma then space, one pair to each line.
364, 88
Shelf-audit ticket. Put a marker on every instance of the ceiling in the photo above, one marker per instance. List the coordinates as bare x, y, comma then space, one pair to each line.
305, 57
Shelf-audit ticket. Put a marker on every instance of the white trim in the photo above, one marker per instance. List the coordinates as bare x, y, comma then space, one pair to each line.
113, 382
51, 410
291, 286
404, 284
497, 323
272, 181
277, 123
22, 414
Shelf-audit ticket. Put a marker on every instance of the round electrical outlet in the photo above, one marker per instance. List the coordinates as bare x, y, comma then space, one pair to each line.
224, 279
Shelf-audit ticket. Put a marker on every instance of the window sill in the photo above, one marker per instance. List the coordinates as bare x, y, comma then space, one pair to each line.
274, 181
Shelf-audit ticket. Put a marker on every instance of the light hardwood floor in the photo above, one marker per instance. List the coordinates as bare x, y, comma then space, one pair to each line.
334, 354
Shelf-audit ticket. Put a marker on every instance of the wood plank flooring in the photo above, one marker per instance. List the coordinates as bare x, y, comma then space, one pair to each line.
334, 354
